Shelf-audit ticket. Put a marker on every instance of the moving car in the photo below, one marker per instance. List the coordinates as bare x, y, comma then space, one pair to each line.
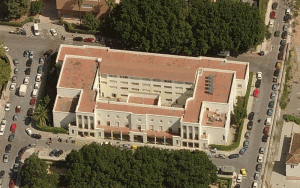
11, 137
233, 156
266, 130
239, 178
250, 125
260, 158
277, 33
89, 40
8, 148
269, 112
265, 138
37, 136
77, 39
28, 131
53, 32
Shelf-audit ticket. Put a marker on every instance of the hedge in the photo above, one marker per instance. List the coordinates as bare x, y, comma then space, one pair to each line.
17, 24
51, 129
241, 125
71, 29
295, 119
229, 180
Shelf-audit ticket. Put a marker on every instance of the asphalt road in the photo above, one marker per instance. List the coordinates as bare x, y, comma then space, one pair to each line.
265, 64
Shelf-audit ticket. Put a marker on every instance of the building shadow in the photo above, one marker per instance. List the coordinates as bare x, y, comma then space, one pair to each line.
279, 166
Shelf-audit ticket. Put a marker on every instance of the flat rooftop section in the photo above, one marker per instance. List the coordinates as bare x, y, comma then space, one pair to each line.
221, 93
142, 100
139, 109
80, 73
151, 65
213, 119
66, 104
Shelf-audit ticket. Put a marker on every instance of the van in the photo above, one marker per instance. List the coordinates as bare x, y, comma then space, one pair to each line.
36, 29
224, 53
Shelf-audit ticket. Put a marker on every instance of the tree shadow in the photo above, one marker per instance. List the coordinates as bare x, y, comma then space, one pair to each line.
279, 166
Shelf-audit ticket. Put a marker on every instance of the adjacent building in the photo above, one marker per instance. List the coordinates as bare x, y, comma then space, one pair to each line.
147, 97
293, 159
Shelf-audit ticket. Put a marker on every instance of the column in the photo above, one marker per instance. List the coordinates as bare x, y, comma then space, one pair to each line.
145, 138
131, 136
187, 132
193, 133
111, 134
155, 139
121, 135
164, 140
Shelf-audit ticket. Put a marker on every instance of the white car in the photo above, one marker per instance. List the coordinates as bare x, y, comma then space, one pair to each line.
26, 80
259, 75
5, 48
38, 77
7, 107
288, 11
2, 131
271, 24
255, 184
260, 158
37, 85
53, 32
239, 178
3, 123
12, 86
28, 131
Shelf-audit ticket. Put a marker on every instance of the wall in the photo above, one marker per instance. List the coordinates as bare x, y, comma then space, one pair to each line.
68, 92
215, 134
293, 171
62, 119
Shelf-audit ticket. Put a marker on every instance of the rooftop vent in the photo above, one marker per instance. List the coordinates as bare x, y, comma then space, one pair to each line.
210, 84
99, 60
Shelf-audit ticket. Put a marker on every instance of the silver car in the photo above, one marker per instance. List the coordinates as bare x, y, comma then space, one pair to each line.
285, 27
5, 158
273, 95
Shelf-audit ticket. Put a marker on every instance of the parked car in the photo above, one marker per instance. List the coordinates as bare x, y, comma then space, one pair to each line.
37, 136
288, 11
28, 131
262, 150
274, 5
5, 158
271, 23
247, 135
8, 148
16, 62
258, 167
239, 178
243, 172
283, 42
277, 33
233, 156
3, 123
22, 150
48, 52
266, 130
30, 112
256, 175
15, 117
273, 15
41, 60
26, 53
29, 63
12, 86
26, 80
261, 53
269, 112
284, 35
280, 56
31, 145
27, 71
40, 69
77, 39
265, 138
16, 70
14, 79
273, 95
257, 83
246, 143
281, 48
53, 32
260, 158
13, 127
38, 77
274, 87
2, 173
16, 167
18, 109
89, 40
250, 125
251, 116
32, 101
259, 75
243, 151
285, 27
274, 79
37, 85
271, 104
11, 183
11, 137
31, 54
287, 18
52, 153
276, 72
27, 120
60, 152
7, 107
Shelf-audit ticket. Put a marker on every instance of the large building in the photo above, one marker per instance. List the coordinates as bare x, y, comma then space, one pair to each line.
293, 159
146, 97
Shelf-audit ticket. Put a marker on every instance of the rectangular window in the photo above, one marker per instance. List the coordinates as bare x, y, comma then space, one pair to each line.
170, 130
124, 82
86, 6
146, 79
240, 85
135, 89
168, 81
146, 90
189, 89
160, 128
178, 87
178, 82
179, 93
169, 100
125, 88
156, 80
117, 124
156, 85
144, 84
139, 127
123, 95
155, 91
134, 83
85, 117
98, 122
135, 78
113, 81
139, 119
103, 75
151, 127
113, 87
166, 92
168, 87
108, 123
113, 76
188, 83
103, 82
123, 76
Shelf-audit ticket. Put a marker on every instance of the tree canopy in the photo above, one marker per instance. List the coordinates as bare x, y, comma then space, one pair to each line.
17, 8
194, 27
90, 21
34, 174
36, 7
108, 166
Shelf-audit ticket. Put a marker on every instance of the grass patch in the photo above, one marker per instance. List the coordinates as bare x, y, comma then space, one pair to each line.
263, 5
288, 118
286, 91
223, 182
240, 123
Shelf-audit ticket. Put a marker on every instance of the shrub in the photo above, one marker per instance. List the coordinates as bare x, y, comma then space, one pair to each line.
36, 7
51, 129
16, 24
289, 118
70, 29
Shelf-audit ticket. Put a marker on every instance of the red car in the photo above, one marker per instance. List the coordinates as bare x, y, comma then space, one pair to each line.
12, 183
13, 127
273, 15
266, 130
89, 40
255, 93
18, 109
32, 101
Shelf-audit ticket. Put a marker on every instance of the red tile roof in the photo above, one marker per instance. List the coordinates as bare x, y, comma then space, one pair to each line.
151, 65
142, 100
66, 104
293, 156
222, 87
80, 73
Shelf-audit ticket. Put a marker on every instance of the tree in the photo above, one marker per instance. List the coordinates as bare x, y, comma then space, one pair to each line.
17, 8
111, 4
36, 7
2, 51
91, 22
41, 115
79, 3
34, 174
4, 73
